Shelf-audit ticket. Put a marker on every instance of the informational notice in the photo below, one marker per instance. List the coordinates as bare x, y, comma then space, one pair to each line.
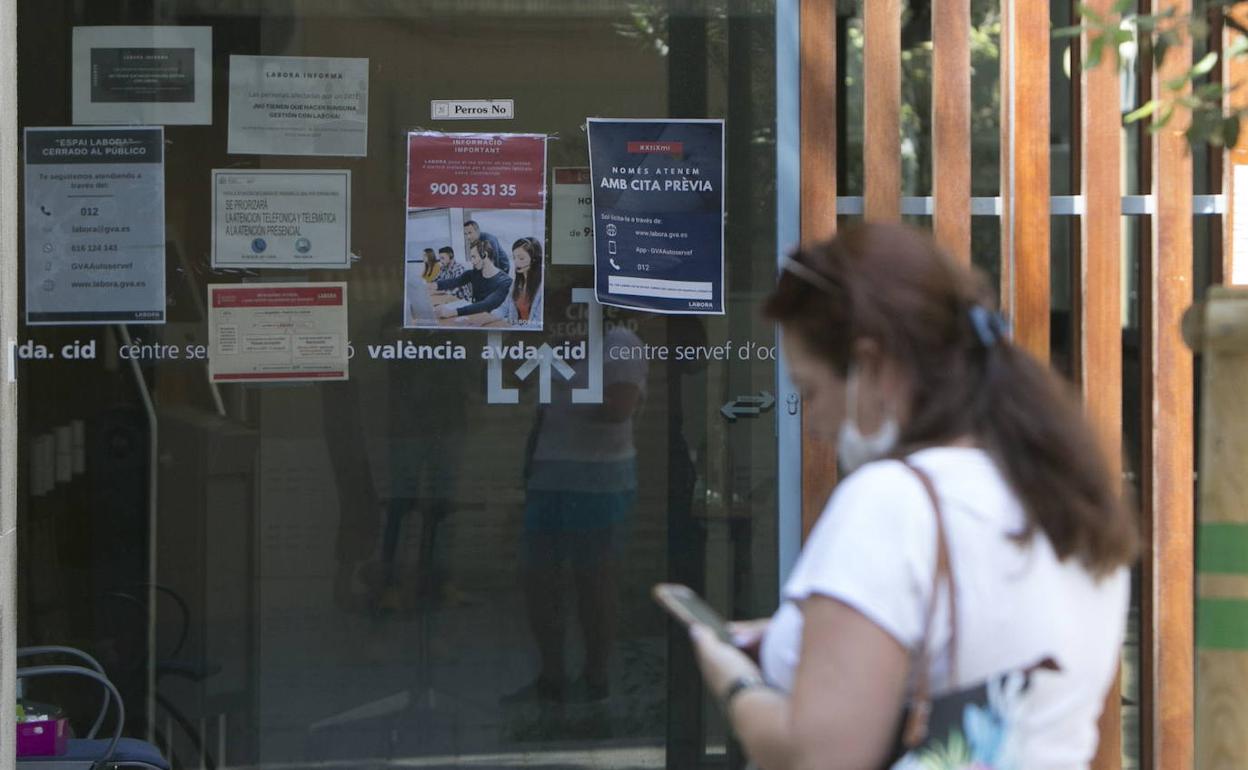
143, 75
298, 105
658, 199
1239, 225
290, 218
277, 332
95, 225
572, 242
476, 231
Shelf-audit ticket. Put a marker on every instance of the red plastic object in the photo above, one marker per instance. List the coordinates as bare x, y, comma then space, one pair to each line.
42, 739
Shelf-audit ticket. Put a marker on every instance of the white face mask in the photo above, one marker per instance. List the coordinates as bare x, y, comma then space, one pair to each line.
854, 449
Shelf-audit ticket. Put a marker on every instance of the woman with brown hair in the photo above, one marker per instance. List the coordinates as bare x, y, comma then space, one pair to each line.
977, 546
523, 306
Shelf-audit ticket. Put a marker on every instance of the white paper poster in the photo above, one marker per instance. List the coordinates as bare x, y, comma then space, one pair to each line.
277, 332
573, 219
142, 75
298, 105
287, 218
1239, 226
95, 225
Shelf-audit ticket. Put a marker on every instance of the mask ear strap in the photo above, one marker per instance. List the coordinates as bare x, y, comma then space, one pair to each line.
851, 395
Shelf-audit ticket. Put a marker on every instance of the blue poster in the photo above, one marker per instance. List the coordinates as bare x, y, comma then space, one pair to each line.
658, 195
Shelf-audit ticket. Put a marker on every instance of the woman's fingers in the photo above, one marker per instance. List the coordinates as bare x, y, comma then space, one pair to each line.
748, 634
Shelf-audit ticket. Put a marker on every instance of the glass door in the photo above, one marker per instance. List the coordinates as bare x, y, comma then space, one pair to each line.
424, 564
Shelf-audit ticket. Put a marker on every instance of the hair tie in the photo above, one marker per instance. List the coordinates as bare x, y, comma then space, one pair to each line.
990, 326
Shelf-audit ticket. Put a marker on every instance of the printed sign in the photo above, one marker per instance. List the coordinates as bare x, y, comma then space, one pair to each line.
572, 242
298, 105
95, 225
472, 109
277, 332
658, 199
476, 231
143, 75
299, 219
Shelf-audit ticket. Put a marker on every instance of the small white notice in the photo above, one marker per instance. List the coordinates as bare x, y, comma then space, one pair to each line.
288, 218
572, 239
298, 105
1239, 226
472, 109
277, 332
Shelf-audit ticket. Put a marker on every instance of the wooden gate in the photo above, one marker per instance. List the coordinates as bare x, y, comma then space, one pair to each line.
1163, 220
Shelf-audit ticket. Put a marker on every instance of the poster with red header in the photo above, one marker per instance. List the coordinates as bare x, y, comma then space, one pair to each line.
277, 332
474, 253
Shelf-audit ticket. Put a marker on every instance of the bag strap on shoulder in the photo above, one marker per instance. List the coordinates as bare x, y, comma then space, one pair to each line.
915, 729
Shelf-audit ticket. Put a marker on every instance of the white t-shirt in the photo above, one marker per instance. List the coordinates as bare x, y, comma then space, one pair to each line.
874, 549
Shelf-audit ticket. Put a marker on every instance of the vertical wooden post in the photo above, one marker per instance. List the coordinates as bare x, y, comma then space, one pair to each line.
1166, 671
1025, 171
818, 203
882, 109
1098, 302
951, 126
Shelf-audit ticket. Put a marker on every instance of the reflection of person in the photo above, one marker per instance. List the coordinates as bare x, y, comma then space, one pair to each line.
432, 267
452, 269
424, 477
581, 487
489, 283
473, 234
523, 305
898, 362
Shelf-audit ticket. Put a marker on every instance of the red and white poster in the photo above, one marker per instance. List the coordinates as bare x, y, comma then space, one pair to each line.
277, 332
476, 231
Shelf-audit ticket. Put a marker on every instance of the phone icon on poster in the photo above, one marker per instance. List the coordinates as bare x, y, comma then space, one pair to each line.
45, 212
612, 261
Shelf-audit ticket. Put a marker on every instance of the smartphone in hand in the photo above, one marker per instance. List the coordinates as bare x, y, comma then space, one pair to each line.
689, 608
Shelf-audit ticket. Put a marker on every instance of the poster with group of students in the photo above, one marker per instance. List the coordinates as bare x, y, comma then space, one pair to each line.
476, 231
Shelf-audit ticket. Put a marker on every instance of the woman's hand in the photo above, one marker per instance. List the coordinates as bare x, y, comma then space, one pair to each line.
445, 311
748, 635
720, 662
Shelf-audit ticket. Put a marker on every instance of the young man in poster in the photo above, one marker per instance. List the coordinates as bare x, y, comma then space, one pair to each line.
489, 283
472, 232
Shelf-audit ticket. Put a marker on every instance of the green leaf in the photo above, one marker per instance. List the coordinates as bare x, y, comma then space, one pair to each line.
1065, 32
1237, 47
1210, 92
1122, 6
1230, 131
1096, 50
1205, 65
1160, 47
1163, 119
1176, 84
1148, 108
